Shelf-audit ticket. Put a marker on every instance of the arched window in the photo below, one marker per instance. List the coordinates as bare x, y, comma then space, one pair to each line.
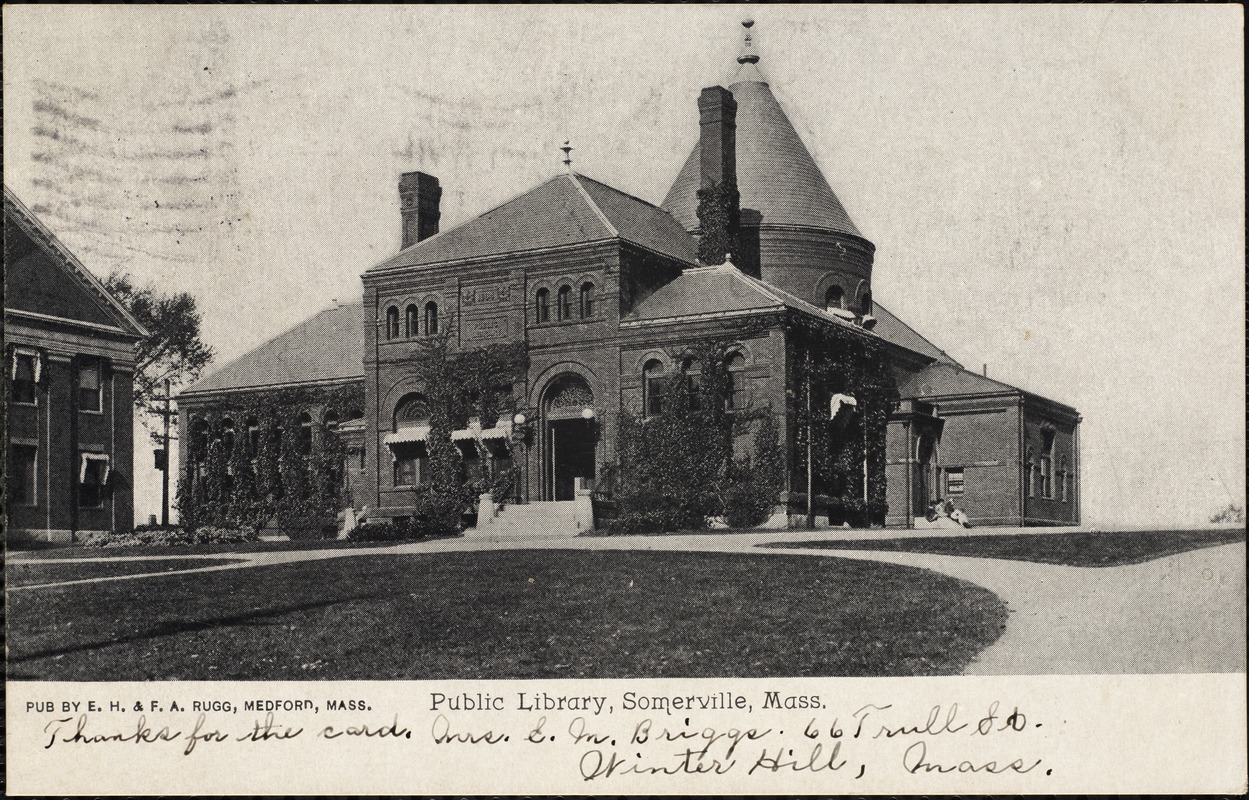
587, 300
392, 322
833, 297
331, 420
653, 388
412, 410
410, 328
304, 442
1047, 464
542, 306
865, 305
564, 308
431, 318
737, 380
1028, 471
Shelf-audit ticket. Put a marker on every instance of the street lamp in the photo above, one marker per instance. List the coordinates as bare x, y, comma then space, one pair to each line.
520, 436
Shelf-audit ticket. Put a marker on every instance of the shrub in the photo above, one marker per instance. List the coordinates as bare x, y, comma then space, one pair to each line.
411, 530
171, 536
647, 522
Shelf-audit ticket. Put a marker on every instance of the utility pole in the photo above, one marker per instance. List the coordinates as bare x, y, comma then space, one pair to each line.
164, 478
810, 451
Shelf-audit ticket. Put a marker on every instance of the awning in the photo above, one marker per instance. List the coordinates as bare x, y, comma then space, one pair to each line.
89, 457
416, 433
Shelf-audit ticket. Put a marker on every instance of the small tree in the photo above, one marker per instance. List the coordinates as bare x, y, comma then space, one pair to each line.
171, 351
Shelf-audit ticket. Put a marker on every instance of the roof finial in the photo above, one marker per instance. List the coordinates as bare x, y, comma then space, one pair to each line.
748, 55
567, 148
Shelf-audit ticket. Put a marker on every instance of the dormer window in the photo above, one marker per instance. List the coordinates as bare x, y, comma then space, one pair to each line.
865, 304
833, 298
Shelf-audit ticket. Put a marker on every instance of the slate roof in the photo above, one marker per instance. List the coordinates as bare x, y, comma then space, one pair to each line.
565, 210
776, 174
327, 347
892, 329
943, 379
722, 290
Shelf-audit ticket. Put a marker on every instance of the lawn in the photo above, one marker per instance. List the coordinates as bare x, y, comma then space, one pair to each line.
1068, 549
224, 549
33, 572
508, 614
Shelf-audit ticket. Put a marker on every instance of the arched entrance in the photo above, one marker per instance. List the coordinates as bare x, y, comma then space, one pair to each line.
569, 436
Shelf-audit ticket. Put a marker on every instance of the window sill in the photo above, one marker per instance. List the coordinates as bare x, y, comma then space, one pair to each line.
563, 322
98, 412
23, 403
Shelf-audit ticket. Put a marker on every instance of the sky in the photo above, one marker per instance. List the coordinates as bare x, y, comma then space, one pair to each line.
1056, 192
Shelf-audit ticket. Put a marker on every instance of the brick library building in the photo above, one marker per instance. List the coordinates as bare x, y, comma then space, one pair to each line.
605, 291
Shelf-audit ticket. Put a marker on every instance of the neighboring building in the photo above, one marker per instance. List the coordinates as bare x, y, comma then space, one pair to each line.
605, 290
69, 367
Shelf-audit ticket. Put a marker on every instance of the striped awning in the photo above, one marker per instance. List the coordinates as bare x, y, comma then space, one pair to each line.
420, 433
415, 433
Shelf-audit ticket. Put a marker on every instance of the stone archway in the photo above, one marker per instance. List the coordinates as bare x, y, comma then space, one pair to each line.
569, 436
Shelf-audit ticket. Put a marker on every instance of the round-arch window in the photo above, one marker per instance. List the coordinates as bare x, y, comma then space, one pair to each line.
431, 318
565, 302
653, 388
833, 297
410, 328
737, 381
587, 300
866, 303
543, 306
305, 434
392, 322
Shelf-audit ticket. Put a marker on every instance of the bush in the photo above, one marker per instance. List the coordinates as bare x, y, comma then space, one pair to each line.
412, 530
747, 504
171, 536
647, 522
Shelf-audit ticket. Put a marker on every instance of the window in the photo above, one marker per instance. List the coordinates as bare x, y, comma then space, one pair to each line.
331, 420
654, 388
587, 300
1028, 473
954, 481
737, 381
92, 478
227, 435
392, 322
833, 297
304, 442
22, 466
411, 464
865, 305
431, 318
1047, 464
23, 385
543, 306
1063, 493
89, 382
253, 436
565, 302
410, 328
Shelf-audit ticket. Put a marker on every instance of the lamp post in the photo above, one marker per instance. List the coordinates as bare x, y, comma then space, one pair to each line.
520, 436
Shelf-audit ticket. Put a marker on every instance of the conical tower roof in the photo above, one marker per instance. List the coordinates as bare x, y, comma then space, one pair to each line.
776, 174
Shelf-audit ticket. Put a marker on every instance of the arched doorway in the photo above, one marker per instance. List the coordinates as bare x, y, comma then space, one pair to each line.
569, 436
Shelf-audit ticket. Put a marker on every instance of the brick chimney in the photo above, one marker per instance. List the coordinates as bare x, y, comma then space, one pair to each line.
419, 196
719, 205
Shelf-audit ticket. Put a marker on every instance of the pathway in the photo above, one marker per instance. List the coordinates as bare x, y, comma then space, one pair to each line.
1178, 614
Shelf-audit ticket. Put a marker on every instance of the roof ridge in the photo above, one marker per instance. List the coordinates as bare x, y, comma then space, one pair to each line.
611, 229
462, 223
26, 216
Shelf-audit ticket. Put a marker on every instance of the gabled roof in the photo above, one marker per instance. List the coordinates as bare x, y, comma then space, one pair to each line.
945, 380
327, 348
57, 283
720, 291
565, 210
776, 174
894, 330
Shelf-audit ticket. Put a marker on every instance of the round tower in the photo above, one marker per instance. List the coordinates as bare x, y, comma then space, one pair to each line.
794, 232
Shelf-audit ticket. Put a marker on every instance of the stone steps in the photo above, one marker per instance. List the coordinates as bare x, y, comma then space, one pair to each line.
546, 518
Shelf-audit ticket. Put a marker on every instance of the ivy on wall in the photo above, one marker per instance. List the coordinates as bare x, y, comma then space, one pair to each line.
677, 470
719, 219
826, 361
286, 480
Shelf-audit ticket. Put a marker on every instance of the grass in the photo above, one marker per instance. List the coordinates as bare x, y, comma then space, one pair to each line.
278, 546
1067, 549
509, 614
33, 572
